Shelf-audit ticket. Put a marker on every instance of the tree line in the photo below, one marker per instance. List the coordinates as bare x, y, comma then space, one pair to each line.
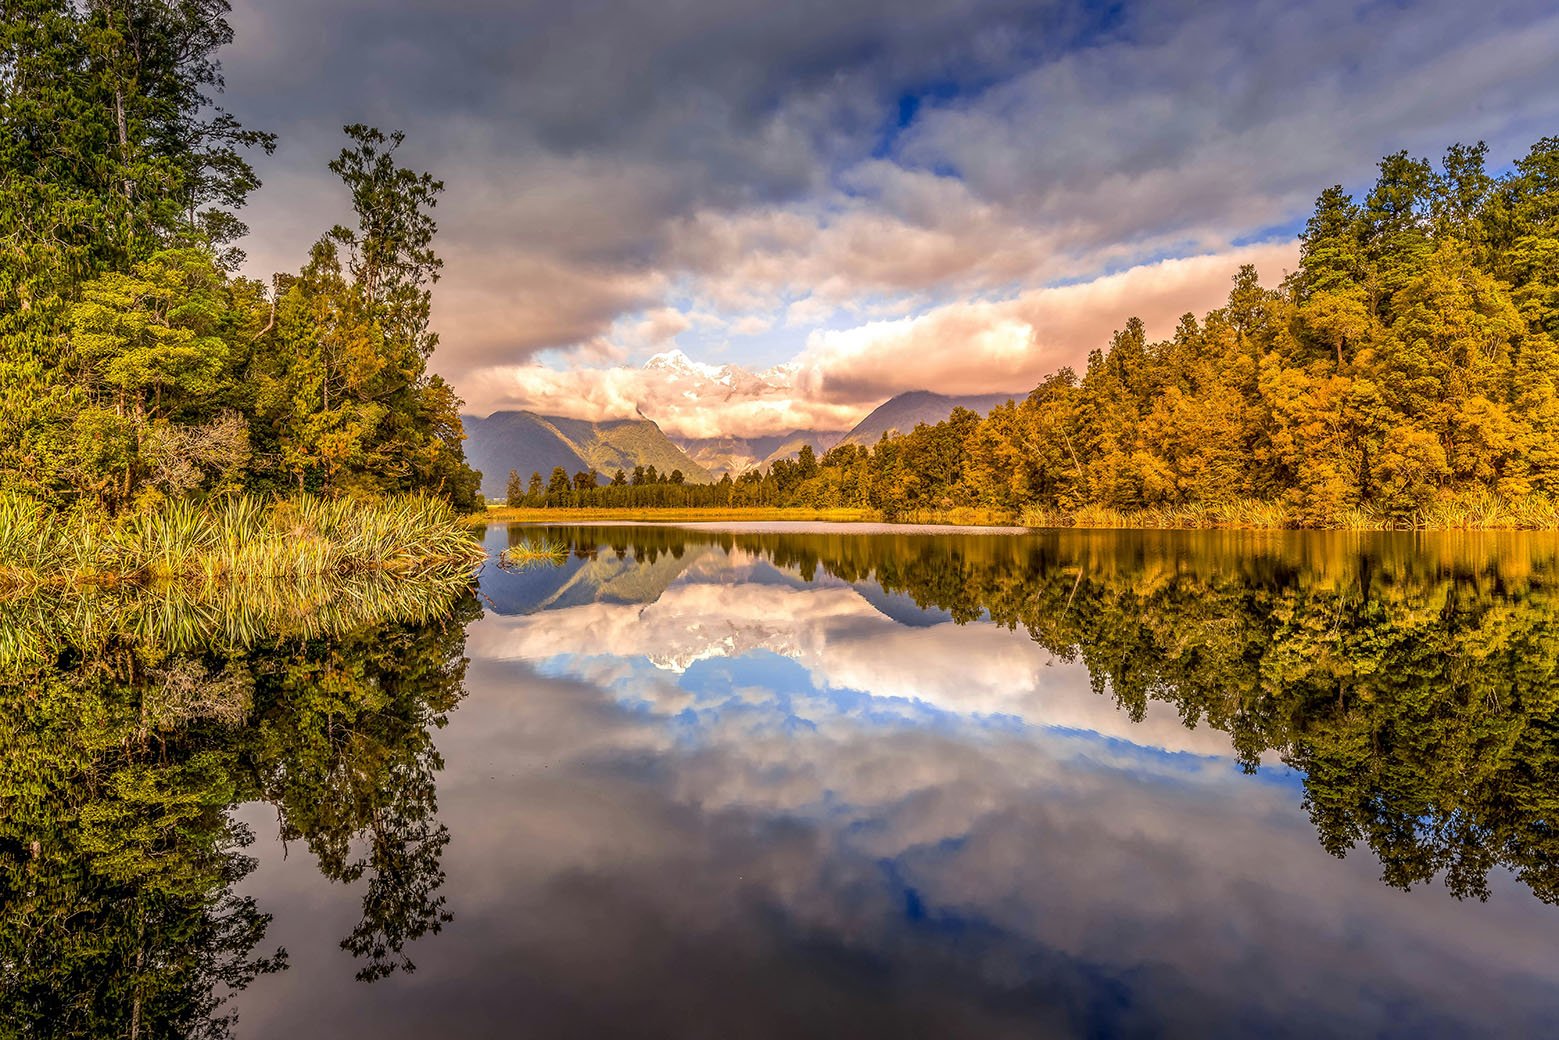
135, 364
1409, 362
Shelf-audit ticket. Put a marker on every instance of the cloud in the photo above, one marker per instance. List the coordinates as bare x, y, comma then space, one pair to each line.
980, 347
686, 398
842, 184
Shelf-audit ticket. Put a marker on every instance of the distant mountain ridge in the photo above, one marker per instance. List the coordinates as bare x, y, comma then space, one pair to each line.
903, 412
531, 443
736, 455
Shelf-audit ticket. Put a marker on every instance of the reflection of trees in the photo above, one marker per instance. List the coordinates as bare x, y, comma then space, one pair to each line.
119, 765
1414, 681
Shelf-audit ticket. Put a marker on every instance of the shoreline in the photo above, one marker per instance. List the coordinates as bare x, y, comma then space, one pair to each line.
1193, 518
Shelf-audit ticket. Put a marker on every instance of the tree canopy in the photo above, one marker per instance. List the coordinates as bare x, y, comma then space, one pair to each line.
134, 364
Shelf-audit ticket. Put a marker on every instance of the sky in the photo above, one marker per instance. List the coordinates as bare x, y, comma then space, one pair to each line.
742, 218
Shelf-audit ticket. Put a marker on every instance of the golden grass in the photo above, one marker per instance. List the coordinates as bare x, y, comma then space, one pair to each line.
233, 537
1449, 511
533, 553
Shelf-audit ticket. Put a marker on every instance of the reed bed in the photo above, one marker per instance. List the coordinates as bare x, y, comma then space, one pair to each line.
1450, 511
235, 537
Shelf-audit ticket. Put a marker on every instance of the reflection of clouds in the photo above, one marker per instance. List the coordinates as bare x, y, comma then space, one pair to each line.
850, 879
844, 644
748, 807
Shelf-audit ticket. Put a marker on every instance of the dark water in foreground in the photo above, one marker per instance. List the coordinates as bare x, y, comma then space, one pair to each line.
714, 784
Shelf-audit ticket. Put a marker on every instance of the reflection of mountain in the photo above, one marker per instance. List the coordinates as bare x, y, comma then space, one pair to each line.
531, 443
600, 576
900, 606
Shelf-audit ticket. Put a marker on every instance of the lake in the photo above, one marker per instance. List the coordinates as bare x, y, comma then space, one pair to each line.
780, 780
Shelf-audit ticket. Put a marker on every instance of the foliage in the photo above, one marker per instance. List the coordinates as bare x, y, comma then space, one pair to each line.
134, 367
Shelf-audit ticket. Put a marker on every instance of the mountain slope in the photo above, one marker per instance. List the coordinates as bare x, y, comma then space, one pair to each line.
902, 413
736, 455
528, 442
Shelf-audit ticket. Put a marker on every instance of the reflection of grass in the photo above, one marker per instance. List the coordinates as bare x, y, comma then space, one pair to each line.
535, 553
39, 621
238, 536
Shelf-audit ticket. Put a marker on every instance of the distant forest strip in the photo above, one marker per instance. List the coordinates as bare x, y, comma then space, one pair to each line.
1404, 376
136, 367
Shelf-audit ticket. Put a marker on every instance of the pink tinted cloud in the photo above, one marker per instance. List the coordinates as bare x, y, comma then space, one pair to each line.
973, 347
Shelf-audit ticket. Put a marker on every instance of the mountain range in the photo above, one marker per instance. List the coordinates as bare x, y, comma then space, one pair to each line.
532, 443
736, 455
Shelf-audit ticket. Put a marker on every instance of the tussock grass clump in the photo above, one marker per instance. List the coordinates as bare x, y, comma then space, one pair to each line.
534, 553
230, 537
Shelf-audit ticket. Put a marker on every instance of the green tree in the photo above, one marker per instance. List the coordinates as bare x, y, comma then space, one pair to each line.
559, 484
354, 408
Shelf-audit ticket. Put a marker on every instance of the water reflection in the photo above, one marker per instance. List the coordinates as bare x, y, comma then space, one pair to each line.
133, 720
1411, 679
768, 783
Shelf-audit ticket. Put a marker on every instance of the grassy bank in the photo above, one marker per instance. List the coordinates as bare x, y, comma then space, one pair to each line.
233, 537
1470, 511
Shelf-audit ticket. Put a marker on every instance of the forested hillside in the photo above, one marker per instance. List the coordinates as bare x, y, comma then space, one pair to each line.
1404, 374
135, 366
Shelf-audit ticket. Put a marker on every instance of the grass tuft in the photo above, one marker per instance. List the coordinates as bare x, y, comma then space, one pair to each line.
534, 553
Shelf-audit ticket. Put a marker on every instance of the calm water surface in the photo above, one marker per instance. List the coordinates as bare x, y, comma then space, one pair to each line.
771, 782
